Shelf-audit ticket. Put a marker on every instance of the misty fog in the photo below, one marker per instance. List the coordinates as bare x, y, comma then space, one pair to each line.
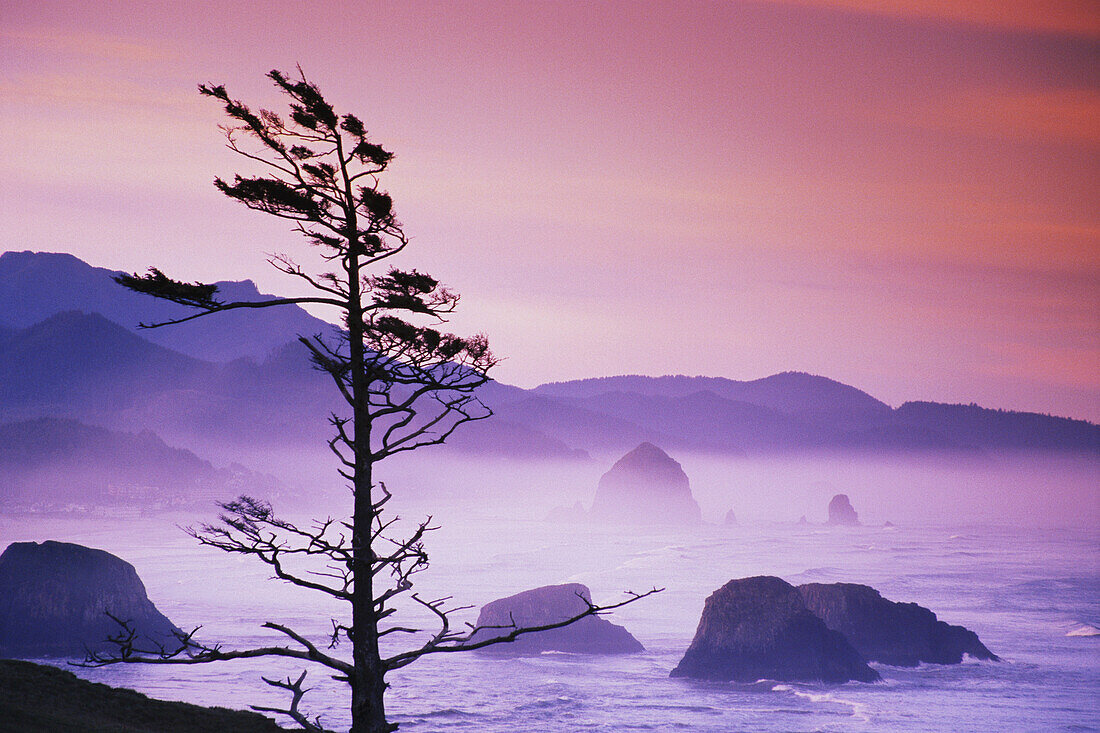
1033, 489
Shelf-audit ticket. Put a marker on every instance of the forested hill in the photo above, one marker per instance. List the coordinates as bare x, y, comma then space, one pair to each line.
70, 347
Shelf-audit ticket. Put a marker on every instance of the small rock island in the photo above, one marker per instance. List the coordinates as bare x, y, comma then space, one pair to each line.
898, 634
546, 605
759, 628
53, 597
841, 511
646, 486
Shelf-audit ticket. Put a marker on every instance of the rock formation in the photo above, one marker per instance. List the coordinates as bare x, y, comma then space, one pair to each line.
53, 597
899, 634
546, 605
759, 628
568, 514
645, 486
730, 519
841, 511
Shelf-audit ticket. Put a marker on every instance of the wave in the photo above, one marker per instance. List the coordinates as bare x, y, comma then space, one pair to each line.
822, 572
1084, 629
860, 711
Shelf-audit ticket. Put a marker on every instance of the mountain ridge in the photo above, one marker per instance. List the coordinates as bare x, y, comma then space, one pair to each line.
37, 285
87, 366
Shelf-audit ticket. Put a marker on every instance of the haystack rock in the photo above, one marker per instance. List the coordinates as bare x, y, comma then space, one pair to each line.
730, 519
899, 634
759, 628
546, 605
841, 511
645, 486
53, 597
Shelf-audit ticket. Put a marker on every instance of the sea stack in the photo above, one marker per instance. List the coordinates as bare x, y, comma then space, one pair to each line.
568, 514
898, 634
54, 595
645, 486
759, 628
546, 605
842, 512
730, 519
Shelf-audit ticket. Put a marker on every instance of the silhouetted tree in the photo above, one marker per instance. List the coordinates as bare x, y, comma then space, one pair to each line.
406, 385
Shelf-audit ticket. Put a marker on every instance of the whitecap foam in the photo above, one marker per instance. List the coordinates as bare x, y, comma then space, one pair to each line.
860, 711
1084, 629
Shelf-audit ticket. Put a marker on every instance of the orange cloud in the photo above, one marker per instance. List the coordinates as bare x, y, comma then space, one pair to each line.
1067, 17
1067, 115
1071, 115
1071, 367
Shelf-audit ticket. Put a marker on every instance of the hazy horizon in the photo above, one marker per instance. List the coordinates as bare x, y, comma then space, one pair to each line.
144, 333
894, 195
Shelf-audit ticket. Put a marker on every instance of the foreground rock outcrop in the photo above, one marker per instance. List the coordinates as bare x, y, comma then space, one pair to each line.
759, 628
842, 512
546, 605
898, 634
53, 596
645, 486
39, 699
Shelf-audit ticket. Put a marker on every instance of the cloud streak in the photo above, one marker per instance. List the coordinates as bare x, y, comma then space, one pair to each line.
1068, 17
86, 44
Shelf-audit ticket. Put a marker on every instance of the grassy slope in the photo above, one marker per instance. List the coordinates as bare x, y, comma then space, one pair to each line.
41, 699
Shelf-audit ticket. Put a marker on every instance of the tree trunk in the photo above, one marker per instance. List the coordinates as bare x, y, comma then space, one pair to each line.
368, 686
368, 712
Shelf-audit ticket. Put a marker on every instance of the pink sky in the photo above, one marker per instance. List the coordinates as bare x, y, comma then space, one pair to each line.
899, 194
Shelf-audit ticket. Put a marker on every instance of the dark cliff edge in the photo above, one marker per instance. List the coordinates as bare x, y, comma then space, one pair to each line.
41, 699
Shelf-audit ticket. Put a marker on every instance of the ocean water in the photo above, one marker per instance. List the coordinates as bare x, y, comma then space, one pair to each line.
1020, 589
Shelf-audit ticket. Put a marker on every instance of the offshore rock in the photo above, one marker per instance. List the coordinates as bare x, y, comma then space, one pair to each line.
53, 597
546, 605
842, 512
645, 486
759, 628
568, 514
898, 634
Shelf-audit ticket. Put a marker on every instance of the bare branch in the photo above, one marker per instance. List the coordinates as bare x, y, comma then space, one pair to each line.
297, 693
189, 651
